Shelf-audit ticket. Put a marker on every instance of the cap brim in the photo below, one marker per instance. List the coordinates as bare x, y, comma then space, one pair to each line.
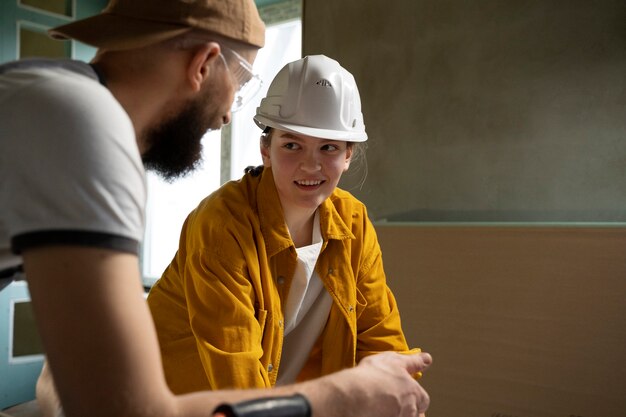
263, 122
115, 32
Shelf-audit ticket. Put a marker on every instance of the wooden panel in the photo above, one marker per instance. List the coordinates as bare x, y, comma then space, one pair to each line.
521, 321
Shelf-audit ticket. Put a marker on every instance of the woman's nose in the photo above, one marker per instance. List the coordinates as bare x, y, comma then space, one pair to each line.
310, 162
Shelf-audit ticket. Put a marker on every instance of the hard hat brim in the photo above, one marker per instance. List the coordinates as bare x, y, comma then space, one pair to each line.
351, 136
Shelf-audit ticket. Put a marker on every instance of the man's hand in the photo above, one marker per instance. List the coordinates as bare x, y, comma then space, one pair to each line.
395, 372
380, 386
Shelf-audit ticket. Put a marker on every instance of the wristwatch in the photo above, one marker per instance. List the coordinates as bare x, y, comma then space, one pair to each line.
291, 406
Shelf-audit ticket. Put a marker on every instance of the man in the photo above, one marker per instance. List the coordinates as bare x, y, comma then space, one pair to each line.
72, 192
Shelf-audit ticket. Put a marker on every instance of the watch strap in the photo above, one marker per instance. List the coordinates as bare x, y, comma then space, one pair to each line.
290, 406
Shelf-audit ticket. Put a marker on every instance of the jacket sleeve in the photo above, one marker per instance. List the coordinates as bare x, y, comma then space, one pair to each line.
221, 306
379, 327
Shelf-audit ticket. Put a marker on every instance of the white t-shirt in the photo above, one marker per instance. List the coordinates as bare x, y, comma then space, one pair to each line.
306, 310
70, 168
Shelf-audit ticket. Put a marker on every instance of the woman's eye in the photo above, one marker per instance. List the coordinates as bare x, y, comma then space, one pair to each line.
290, 145
330, 147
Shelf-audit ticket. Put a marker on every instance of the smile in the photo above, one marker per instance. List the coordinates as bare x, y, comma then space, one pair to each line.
309, 183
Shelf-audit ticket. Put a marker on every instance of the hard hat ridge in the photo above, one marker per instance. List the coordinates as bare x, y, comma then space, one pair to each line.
316, 97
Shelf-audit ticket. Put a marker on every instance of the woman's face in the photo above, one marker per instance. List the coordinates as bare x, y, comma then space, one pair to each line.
306, 169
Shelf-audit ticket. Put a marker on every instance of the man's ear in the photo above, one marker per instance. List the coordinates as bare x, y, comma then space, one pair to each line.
198, 69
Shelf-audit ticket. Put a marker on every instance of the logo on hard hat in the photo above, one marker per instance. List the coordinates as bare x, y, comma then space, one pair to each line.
324, 83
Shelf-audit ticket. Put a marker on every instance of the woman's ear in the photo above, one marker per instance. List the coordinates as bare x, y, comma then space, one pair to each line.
198, 69
348, 158
265, 154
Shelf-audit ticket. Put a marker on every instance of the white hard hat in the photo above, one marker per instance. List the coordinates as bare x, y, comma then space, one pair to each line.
314, 96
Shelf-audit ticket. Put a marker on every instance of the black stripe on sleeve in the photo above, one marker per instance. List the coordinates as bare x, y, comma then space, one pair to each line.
73, 238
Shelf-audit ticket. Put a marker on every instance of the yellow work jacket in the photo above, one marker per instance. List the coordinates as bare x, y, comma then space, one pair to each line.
218, 308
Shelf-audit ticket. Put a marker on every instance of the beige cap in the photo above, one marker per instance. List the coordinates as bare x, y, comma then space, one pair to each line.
129, 24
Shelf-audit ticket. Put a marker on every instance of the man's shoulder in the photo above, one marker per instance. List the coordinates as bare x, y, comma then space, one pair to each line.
65, 94
43, 66
24, 81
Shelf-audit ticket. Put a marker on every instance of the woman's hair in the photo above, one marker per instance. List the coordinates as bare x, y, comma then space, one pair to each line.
358, 153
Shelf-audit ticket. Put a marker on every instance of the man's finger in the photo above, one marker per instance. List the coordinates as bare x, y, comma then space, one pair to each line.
418, 362
422, 406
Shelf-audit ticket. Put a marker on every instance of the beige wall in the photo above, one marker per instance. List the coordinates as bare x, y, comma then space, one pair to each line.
485, 110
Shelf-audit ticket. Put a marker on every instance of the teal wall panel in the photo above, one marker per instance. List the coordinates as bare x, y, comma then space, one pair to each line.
18, 374
13, 14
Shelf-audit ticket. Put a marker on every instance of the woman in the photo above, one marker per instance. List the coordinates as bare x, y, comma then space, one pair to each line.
279, 276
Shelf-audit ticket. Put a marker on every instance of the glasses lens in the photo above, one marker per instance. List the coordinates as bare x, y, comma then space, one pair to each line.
248, 83
246, 92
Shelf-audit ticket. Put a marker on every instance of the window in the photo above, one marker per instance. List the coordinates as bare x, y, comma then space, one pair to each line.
170, 203
283, 44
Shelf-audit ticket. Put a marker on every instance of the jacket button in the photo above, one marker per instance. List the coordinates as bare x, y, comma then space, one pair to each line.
281, 280
270, 368
350, 308
330, 271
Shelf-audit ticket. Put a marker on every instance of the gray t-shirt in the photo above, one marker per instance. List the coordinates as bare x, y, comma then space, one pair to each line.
70, 169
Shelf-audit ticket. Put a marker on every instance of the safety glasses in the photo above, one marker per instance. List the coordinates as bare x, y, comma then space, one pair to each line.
248, 83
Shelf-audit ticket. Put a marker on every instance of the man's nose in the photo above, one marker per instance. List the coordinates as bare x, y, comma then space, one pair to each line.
226, 119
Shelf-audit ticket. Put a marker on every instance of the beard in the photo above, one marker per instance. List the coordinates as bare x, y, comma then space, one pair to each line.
175, 147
